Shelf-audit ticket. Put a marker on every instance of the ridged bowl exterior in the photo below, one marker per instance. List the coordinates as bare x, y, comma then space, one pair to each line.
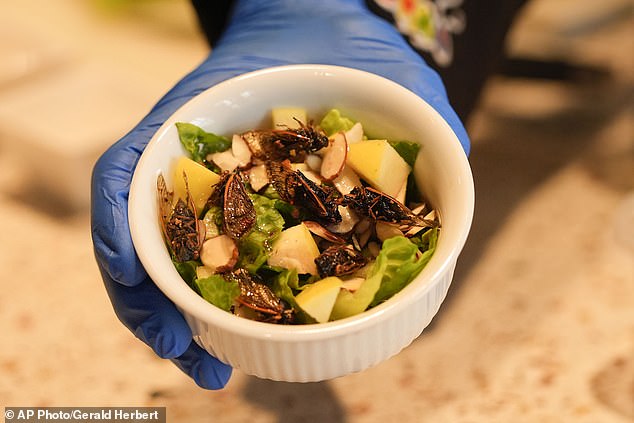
303, 353
322, 359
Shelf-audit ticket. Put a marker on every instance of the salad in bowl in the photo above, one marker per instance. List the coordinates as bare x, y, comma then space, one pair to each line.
298, 223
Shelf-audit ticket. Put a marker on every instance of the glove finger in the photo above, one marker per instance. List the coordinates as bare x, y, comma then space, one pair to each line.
155, 320
109, 215
207, 371
111, 179
113, 172
151, 316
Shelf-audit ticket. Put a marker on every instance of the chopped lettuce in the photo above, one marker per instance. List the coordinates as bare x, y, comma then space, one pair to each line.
284, 285
268, 220
253, 251
407, 150
270, 192
396, 265
199, 143
333, 122
187, 270
352, 303
427, 241
292, 214
255, 246
218, 291
213, 221
404, 263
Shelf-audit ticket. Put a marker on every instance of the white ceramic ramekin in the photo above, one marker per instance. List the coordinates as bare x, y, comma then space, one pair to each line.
320, 351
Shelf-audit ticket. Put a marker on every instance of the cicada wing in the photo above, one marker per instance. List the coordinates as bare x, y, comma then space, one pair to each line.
165, 200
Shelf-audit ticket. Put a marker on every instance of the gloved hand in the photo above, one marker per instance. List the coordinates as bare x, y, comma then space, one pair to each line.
261, 33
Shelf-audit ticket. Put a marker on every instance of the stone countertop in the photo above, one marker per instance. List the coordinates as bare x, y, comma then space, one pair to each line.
537, 327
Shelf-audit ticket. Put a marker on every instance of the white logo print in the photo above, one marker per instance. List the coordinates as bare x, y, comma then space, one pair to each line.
428, 24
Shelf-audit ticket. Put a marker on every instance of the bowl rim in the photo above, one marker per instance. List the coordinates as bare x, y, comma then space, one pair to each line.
188, 301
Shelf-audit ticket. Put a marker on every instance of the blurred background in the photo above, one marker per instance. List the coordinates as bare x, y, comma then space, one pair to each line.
537, 327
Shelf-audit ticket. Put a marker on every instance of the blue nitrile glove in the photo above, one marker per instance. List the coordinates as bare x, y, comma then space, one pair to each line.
261, 33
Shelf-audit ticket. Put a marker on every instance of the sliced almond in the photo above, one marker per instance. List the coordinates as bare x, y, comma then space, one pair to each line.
431, 216
322, 232
240, 150
299, 166
348, 219
347, 180
419, 209
203, 272
225, 160
355, 134
402, 193
258, 177
307, 172
313, 161
334, 157
386, 230
353, 284
363, 225
374, 248
413, 230
364, 237
219, 253
355, 242
314, 177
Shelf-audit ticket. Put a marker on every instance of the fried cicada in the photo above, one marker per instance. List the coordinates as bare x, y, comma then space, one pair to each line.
181, 228
238, 210
378, 206
258, 297
295, 188
339, 260
280, 144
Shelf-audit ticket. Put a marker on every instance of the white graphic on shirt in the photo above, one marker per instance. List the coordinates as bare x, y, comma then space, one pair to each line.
429, 25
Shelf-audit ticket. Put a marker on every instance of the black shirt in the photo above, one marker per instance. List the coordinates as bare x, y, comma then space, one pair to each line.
462, 40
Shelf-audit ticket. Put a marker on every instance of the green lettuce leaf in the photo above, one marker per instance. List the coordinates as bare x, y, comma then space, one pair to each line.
352, 303
333, 122
213, 220
427, 241
268, 219
187, 270
397, 264
254, 251
218, 291
407, 150
403, 265
199, 142
284, 286
292, 214
254, 248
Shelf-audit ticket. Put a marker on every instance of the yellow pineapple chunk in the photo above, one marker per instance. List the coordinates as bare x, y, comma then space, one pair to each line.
378, 163
200, 181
